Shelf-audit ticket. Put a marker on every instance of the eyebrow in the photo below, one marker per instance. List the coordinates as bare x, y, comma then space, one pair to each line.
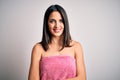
54, 19
51, 19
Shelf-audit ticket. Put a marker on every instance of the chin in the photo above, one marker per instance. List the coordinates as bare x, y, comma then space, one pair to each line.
57, 35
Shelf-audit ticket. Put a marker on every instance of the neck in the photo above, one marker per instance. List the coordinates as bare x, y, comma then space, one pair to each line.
56, 43
56, 40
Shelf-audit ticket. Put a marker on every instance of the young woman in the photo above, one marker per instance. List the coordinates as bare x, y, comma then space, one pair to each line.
57, 56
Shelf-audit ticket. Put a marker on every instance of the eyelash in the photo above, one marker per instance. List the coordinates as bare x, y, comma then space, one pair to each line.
51, 21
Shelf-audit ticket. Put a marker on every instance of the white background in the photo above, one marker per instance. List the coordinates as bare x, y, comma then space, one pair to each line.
94, 23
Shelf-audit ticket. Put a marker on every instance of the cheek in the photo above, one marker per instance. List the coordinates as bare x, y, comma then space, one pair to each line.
50, 26
62, 26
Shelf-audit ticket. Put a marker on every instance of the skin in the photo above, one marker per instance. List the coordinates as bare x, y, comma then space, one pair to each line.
56, 28
55, 24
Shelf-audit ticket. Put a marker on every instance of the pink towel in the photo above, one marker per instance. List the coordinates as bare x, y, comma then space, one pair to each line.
57, 68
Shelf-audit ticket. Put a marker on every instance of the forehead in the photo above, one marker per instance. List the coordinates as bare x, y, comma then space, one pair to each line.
55, 15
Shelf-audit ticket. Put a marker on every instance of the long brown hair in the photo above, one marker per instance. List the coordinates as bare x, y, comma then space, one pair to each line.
46, 38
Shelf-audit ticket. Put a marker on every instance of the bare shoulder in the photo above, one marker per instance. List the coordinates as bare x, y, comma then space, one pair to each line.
37, 50
37, 47
76, 44
77, 47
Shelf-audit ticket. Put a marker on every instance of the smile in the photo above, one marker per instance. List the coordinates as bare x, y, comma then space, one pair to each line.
56, 30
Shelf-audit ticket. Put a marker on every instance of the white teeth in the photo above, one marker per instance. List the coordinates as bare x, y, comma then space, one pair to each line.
56, 30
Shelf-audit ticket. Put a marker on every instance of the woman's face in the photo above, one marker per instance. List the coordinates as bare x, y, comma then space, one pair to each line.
55, 24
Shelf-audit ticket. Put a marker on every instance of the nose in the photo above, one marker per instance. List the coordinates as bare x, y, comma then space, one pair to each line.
57, 24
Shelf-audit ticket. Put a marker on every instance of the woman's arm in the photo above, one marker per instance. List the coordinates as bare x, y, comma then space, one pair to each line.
34, 66
80, 66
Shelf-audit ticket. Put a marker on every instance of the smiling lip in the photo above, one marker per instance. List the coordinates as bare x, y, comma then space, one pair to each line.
56, 30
